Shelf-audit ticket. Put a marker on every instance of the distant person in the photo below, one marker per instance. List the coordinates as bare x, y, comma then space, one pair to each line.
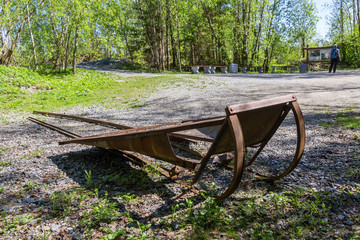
334, 58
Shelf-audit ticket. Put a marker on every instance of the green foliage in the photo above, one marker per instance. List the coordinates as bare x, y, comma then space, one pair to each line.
162, 35
89, 179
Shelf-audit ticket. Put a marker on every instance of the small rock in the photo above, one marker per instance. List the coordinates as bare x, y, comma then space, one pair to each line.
55, 227
341, 217
30, 200
349, 222
175, 225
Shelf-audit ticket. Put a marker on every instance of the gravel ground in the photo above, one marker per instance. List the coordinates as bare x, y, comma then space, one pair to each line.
42, 167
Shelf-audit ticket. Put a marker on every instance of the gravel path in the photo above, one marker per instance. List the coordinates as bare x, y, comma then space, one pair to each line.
34, 155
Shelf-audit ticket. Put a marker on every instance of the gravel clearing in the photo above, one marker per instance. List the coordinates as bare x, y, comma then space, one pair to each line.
34, 166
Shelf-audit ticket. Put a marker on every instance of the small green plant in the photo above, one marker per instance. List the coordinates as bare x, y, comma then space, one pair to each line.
37, 153
152, 170
354, 173
5, 163
65, 203
129, 198
145, 233
45, 235
29, 186
116, 234
88, 178
2, 150
13, 223
103, 211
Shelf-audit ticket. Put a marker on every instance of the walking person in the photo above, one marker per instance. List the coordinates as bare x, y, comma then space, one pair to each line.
334, 58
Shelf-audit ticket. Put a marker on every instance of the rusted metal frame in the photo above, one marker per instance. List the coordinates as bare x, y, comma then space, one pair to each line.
300, 125
238, 139
133, 157
138, 132
300, 129
261, 104
187, 136
52, 127
73, 135
201, 166
89, 120
285, 112
120, 126
188, 163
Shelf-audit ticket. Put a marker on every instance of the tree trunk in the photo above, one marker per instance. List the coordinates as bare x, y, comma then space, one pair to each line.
178, 40
67, 50
269, 45
358, 14
213, 32
32, 39
173, 46
167, 47
75, 48
258, 34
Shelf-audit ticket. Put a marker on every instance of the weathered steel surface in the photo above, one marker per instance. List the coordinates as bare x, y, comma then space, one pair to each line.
245, 125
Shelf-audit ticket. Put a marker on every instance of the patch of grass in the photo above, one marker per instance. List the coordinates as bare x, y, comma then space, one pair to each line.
5, 163
348, 120
296, 214
116, 234
131, 178
103, 211
2, 150
129, 198
354, 173
66, 203
11, 224
22, 89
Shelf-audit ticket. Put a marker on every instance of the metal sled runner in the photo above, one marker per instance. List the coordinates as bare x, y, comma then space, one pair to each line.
244, 126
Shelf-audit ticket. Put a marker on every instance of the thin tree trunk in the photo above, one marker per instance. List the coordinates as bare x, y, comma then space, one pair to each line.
178, 44
75, 48
358, 14
354, 14
269, 46
67, 50
32, 38
213, 32
11, 50
178, 40
173, 46
258, 34
167, 47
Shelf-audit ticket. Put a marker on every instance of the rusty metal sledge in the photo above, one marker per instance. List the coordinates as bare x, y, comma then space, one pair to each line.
244, 126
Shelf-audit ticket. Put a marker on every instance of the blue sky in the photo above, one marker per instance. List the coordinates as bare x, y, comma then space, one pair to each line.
323, 12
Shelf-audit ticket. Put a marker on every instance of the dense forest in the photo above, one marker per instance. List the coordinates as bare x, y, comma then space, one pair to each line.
171, 34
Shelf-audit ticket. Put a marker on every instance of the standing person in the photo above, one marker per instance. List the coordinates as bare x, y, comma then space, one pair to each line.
334, 58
